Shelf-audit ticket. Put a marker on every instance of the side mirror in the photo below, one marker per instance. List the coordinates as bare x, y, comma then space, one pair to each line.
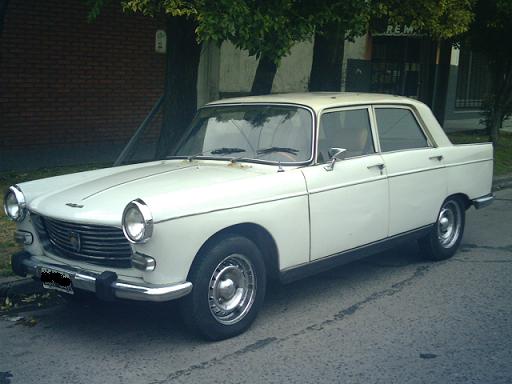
335, 154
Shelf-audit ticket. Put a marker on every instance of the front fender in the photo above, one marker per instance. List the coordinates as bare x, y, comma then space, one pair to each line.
175, 243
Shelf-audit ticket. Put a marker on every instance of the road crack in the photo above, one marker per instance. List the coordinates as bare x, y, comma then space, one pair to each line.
395, 288
482, 261
210, 363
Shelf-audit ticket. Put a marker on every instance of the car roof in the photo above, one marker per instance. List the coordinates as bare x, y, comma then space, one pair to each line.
321, 100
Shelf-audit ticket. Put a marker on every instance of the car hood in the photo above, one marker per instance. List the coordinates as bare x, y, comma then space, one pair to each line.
171, 189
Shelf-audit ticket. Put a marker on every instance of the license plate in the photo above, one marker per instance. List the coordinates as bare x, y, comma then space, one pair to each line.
58, 281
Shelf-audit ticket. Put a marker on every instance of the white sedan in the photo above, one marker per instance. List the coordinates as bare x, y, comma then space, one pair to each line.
268, 187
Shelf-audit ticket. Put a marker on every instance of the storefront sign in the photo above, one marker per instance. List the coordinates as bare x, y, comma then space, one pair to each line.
398, 30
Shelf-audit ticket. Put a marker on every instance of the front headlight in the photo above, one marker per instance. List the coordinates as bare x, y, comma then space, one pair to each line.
137, 222
14, 204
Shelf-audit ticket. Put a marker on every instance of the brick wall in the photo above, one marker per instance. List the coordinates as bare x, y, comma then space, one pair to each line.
64, 80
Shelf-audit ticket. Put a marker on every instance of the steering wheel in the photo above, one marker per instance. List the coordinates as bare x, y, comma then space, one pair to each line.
287, 155
291, 156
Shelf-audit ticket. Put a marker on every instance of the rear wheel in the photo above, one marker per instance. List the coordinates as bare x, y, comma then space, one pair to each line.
446, 234
229, 283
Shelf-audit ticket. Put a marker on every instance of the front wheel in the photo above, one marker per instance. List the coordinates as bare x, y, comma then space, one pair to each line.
229, 282
446, 234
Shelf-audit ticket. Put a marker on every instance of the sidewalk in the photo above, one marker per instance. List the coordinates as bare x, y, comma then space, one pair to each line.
502, 182
461, 125
16, 286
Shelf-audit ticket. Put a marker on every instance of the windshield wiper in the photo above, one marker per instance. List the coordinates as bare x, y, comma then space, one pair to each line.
226, 150
217, 151
277, 149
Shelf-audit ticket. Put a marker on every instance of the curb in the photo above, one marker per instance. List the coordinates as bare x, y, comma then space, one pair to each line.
502, 182
18, 286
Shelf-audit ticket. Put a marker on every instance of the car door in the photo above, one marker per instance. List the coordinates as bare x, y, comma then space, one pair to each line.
348, 203
415, 168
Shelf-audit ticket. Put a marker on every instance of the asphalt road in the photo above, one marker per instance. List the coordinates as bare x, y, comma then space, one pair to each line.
392, 318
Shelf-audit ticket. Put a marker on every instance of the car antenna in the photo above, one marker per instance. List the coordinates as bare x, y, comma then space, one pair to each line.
280, 169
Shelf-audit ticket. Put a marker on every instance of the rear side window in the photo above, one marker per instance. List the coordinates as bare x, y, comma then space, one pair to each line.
348, 129
398, 129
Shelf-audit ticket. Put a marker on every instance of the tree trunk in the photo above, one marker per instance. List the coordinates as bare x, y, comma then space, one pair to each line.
3, 12
493, 127
180, 100
500, 104
328, 52
264, 77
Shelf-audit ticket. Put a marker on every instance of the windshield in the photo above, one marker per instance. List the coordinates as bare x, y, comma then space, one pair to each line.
270, 133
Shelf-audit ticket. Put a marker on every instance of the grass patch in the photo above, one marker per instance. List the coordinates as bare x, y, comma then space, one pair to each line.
7, 245
7, 227
503, 151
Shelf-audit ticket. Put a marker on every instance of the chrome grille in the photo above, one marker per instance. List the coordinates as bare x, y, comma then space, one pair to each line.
94, 243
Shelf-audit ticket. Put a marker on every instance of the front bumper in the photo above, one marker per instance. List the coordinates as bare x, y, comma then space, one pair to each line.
106, 285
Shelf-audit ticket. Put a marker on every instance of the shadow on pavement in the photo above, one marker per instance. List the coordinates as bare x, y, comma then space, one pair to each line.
146, 323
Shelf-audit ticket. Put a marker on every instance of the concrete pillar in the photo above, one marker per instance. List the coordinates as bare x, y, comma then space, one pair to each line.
208, 74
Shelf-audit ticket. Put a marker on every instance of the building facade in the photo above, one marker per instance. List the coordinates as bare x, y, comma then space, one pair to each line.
73, 91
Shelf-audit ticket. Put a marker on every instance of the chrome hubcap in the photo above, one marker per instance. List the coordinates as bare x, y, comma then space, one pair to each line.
232, 289
227, 289
448, 224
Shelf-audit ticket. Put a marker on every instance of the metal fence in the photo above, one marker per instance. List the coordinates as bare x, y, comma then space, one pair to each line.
472, 80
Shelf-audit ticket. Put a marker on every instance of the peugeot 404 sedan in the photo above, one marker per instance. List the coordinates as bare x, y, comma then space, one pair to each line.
258, 188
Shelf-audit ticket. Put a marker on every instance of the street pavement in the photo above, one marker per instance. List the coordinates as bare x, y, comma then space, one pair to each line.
391, 318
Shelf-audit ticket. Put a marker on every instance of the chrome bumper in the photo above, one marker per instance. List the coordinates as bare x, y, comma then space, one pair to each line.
483, 201
24, 264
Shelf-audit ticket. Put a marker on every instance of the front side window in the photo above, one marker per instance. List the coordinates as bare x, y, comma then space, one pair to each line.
268, 133
348, 129
398, 129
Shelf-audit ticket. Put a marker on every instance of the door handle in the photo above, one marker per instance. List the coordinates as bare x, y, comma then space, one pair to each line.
378, 165
438, 157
